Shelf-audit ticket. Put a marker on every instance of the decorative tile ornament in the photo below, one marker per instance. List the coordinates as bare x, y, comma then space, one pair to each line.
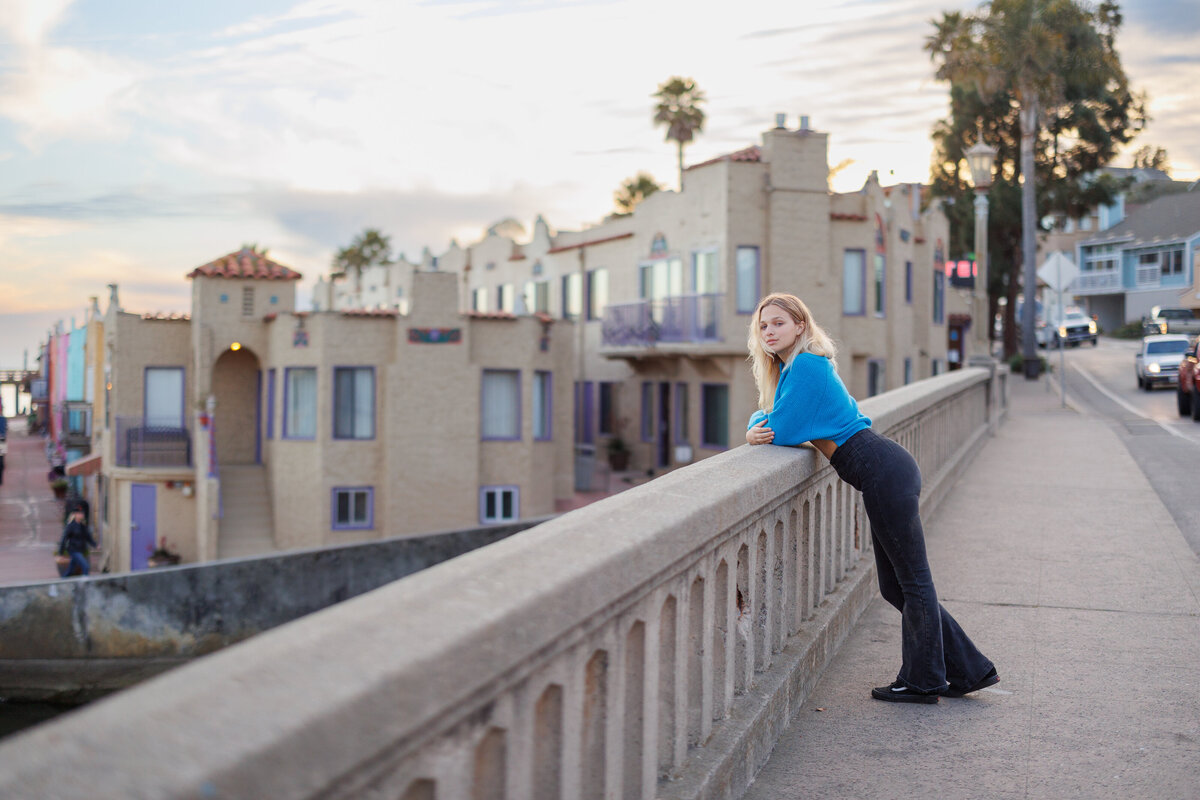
434, 335
299, 338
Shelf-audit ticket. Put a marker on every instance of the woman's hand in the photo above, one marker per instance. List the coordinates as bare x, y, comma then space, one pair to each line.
760, 434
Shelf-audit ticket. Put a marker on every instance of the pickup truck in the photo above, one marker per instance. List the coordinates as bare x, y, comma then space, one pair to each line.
1171, 320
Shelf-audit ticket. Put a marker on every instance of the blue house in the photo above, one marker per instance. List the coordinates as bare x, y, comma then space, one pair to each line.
1148, 259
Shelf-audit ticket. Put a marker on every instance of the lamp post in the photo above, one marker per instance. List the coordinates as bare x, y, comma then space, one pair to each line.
981, 158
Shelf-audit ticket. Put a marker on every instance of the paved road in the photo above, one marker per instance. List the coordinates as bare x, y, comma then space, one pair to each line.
30, 516
1100, 382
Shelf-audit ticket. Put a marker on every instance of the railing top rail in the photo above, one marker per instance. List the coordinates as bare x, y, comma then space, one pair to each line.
395, 676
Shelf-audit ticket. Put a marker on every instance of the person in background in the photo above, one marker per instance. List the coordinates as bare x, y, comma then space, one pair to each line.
802, 399
72, 555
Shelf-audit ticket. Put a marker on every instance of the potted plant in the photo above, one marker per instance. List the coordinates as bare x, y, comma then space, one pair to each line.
162, 555
618, 454
59, 487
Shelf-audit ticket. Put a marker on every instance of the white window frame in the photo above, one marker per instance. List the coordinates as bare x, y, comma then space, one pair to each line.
497, 494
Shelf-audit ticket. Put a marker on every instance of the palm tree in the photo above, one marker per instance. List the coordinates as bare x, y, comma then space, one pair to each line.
678, 108
368, 248
1033, 49
634, 191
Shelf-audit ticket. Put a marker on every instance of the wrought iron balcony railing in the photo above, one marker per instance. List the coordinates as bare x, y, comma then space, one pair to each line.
690, 318
142, 443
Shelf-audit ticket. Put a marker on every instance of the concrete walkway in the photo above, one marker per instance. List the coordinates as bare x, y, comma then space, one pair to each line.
30, 516
1061, 562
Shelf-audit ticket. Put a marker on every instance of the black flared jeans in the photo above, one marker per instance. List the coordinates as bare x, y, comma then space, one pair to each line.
934, 648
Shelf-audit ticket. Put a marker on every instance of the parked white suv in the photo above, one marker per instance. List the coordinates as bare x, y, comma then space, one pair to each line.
1157, 361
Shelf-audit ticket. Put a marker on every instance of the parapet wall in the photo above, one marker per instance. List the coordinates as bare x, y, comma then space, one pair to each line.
652, 644
72, 641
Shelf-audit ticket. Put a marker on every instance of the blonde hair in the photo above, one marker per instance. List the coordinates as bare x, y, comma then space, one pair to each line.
766, 365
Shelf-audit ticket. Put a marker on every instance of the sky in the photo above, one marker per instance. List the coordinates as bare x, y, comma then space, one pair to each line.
140, 139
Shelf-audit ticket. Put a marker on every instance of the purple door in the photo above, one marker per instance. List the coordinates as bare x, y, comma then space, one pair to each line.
142, 524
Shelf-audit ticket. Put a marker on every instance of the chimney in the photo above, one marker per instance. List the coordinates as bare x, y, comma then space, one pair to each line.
804, 122
780, 121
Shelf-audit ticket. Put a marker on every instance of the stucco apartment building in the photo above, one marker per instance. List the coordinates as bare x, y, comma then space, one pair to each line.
663, 296
248, 427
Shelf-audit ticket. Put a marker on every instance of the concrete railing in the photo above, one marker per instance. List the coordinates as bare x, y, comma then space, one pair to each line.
652, 644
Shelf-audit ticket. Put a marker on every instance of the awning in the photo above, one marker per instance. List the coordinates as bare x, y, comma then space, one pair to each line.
88, 465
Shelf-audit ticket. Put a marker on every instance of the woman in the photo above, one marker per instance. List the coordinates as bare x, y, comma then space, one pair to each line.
802, 399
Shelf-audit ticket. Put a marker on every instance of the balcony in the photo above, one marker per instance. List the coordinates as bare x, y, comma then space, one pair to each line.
691, 319
1098, 282
78, 433
141, 445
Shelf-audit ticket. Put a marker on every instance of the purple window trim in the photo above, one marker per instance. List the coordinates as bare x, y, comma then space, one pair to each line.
271, 403
647, 432
374, 403
908, 282
482, 403
757, 278
258, 418
862, 308
283, 432
587, 412
704, 416
499, 491
680, 412
182, 387
351, 526
548, 407
880, 285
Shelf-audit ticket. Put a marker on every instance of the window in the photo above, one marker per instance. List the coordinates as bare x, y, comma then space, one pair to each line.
714, 415
876, 377
499, 504
354, 403
353, 508
584, 426
1172, 263
501, 405
854, 278
878, 275
300, 403
506, 298
704, 272
908, 373
572, 296
647, 411
537, 297
270, 403
908, 282
607, 421
939, 297
542, 406
747, 279
247, 301
597, 293
660, 279
479, 299
681, 413
164, 397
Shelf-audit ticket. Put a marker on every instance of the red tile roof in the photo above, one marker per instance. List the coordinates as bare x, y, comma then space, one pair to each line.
848, 217
752, 154
567, 247
245, 263
166, 315
370, 312
490, 315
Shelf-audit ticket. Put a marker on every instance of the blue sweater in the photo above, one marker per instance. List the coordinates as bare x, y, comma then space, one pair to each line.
811, 402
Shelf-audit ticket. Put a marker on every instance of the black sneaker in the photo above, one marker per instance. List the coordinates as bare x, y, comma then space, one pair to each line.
991, 679
899, 693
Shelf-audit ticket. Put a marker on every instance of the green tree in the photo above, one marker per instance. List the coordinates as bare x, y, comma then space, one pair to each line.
367, 249
679, 109
1150, 157
633, 191
254, 247
1042, 81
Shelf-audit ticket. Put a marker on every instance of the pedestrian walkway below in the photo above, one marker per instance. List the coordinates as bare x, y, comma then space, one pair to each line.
1058, 558
30, 515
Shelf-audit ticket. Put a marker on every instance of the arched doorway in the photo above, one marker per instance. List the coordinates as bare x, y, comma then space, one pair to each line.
235, 385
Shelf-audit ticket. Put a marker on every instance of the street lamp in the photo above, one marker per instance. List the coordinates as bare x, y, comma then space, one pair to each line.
981, 158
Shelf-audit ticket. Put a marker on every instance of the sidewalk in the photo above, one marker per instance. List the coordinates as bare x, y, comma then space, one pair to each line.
1059, 559
30, 516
